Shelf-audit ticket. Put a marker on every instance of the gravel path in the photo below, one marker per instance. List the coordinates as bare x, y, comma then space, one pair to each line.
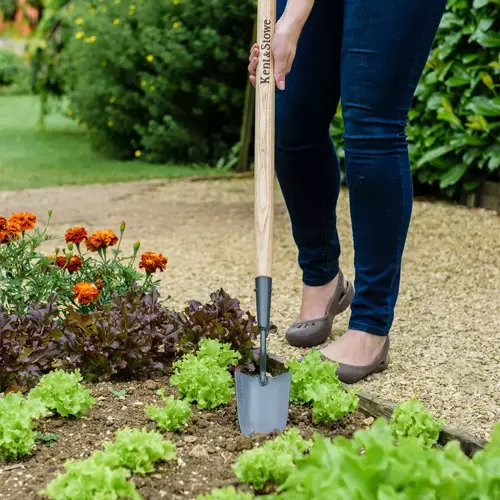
446, 335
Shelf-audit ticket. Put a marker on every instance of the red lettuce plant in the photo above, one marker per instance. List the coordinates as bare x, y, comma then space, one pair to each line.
129, 335
220, 319
28, 343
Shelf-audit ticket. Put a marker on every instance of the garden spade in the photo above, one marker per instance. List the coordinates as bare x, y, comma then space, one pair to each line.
263, 400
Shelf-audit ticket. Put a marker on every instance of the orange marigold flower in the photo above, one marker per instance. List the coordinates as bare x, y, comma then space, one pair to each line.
75, 235
26, 220
85, 293
3, 223
101, 239
11, 232
152, 262
59, 261
74, 264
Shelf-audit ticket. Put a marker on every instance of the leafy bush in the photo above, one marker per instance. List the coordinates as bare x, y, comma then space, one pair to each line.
62, 392
227, 493
92, 478
205, 378
138, 450
8, 9
411, 419
17, 420
372, 465
45, 47
28, 344
10, 66
457, 111
455, 116
173, 416
163, 80
315, 382
272, 462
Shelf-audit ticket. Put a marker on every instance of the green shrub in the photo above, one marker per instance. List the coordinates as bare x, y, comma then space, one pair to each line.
45, 49
164, 80
11, 66
8, 9
455, 116
453, 127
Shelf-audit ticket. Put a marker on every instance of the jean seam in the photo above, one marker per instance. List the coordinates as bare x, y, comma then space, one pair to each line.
390, 316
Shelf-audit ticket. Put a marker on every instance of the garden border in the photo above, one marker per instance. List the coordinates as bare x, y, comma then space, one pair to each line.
377, 407
487, 196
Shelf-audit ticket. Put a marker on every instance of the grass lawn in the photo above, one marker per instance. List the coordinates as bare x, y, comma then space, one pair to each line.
61, 155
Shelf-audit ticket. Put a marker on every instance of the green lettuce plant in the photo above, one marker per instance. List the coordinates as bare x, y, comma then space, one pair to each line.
205, 378
330, 403
17, 421
272, 462
138, 450
412, 419
227, 493
173, 416
92, 478
372, 466
63, 393
315, 382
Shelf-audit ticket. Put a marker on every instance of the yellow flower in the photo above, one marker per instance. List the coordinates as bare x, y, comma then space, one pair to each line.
150, 58
90, 39
79, 35
116, 21
176, 2
112, 99
176, 25
105, 9
144, 83
79, 21
110, 123
138, 153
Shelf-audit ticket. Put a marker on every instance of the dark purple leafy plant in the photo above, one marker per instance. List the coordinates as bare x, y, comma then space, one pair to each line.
221, 319
28, 343
131, 334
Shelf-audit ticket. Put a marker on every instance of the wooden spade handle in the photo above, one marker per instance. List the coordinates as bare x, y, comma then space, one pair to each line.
264, 139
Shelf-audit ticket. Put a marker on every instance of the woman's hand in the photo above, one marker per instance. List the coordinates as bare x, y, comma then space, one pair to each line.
283, 48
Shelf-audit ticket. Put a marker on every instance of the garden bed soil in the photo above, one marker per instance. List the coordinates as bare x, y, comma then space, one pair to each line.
206, 450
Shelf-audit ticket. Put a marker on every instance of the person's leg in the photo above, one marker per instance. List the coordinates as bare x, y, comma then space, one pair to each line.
306, 163
385, 46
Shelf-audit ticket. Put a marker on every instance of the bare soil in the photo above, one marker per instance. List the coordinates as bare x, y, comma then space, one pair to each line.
206, 450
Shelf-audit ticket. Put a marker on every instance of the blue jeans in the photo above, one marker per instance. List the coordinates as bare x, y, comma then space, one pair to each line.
371, 54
